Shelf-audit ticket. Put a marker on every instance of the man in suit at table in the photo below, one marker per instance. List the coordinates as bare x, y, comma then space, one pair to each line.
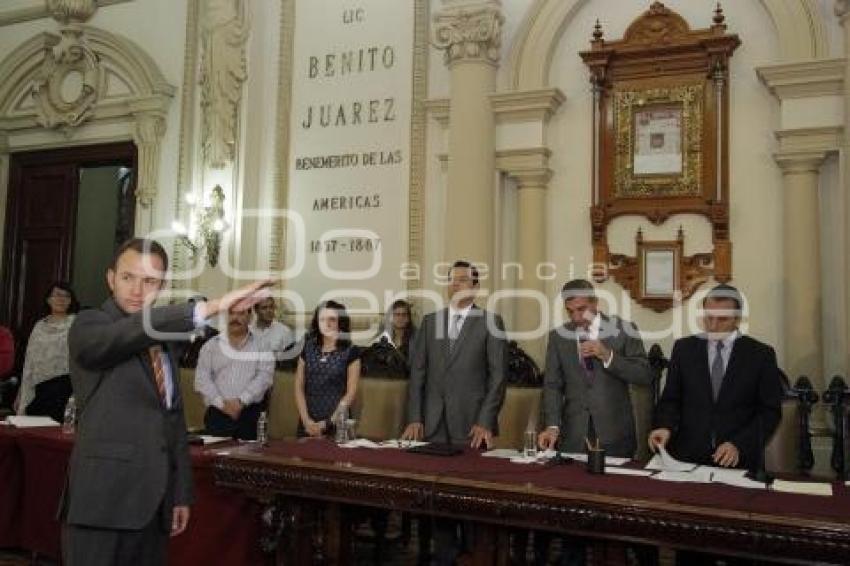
722, 399
590, 363
458, 367
129, 478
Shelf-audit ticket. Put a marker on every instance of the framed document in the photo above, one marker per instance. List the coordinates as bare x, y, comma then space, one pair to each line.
658, 141
659, 267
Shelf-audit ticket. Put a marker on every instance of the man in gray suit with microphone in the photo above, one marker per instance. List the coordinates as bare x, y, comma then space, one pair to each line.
590, 363
129, 479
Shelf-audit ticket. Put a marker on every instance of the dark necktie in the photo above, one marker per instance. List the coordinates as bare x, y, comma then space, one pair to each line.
717, 371
454, 331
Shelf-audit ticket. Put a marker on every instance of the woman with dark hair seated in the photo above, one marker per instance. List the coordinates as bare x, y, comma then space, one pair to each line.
45, 384
328, 369
397, 328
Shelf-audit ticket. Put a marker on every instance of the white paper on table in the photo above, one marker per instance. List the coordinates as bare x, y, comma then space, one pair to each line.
694, 476
582, 457
539, 459
207, 439
803, 488
627, 471
26, 421
396, 443
360, 443
505, 453
664, 462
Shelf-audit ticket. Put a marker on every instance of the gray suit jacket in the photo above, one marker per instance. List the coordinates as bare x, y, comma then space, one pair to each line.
467, 387
131, 453
570, 394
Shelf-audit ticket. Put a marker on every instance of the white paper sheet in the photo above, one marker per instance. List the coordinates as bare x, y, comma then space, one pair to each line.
503, 453
214, 439
582, 457
360, 443
26, 421
402, 444
664, 462
803, 488
627, 471
694, 476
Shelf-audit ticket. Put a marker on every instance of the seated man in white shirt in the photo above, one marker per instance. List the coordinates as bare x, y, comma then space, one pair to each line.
233, 376
274, 336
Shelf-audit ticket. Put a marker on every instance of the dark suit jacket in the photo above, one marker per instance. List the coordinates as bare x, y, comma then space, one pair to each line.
131, 456
748, 406
569, 394
466, 386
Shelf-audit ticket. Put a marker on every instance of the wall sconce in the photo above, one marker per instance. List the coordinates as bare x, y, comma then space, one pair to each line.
210, 226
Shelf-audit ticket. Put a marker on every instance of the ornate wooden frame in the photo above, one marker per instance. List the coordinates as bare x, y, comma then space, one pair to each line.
662, 63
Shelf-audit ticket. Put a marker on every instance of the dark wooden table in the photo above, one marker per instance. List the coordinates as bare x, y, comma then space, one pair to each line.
294, 478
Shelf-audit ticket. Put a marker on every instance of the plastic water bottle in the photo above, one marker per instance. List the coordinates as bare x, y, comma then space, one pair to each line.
69, 420
263, 429
341, 423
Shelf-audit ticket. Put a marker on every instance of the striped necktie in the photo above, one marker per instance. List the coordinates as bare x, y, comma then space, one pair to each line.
155, 354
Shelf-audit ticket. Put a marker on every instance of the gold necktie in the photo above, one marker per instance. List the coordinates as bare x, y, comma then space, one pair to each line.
155, 353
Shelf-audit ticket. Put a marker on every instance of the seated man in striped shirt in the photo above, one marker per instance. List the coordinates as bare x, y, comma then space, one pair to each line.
232, 376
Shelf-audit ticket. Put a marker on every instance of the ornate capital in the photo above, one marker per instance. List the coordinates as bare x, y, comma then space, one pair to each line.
224, 34
842, 10
147, 135
71, 11
795, 163
469, 32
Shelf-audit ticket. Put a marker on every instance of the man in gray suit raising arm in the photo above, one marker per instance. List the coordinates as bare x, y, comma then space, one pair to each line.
129, 479
590, 362
457, 369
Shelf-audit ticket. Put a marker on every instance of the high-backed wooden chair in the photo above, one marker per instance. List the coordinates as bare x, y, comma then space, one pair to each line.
780, 454
521, 407
193, 403
283, 413
381, 408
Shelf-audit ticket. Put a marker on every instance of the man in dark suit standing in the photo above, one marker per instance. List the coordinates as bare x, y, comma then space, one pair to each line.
590, 363
457, 383
457, 369
129, 479
721, 402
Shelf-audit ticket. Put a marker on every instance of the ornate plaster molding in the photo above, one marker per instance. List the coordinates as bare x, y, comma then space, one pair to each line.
469, 32
179, 253
819, 77
64, 57
800, 162
529, 105
120, 83
801, 140
71, 11
39, 9
224, 33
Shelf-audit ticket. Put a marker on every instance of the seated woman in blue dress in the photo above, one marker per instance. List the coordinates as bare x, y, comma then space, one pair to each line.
328, 369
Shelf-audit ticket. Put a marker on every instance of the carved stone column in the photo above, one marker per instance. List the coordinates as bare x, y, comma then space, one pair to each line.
470, 34
148, 133
842, 10
531, 251
802, 265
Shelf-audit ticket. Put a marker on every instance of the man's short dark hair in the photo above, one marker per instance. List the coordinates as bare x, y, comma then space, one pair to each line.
142, 246
724, 292
578, 288
466, 264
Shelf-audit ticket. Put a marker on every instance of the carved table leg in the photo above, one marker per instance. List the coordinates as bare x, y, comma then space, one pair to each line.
338, 548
